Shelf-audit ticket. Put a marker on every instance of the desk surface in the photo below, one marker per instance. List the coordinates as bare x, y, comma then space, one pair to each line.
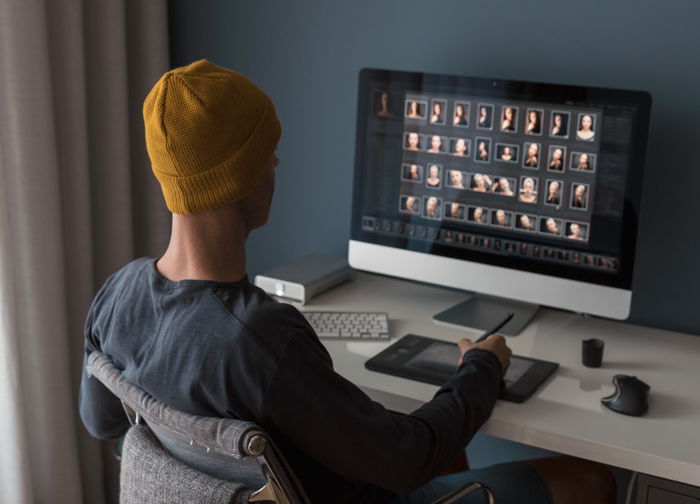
565, 415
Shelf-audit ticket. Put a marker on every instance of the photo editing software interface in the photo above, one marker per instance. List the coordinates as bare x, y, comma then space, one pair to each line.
517, 176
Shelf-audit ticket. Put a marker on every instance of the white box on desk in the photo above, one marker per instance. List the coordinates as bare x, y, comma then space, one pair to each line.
303, 279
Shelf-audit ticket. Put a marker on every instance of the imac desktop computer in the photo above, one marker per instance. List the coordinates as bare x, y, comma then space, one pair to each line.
525, 194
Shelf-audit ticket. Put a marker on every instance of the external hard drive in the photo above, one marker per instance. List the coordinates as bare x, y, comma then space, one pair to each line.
303, 279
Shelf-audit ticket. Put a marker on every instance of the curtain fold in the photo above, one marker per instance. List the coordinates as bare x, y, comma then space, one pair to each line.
77, 201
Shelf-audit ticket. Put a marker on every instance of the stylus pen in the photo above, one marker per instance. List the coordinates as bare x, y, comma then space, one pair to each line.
495, 329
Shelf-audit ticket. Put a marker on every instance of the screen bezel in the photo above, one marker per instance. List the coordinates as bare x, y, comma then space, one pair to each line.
520, 90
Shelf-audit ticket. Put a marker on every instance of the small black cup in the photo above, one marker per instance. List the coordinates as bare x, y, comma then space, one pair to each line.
592, 355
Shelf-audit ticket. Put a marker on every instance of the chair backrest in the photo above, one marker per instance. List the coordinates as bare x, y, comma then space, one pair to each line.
225, 449
150, 474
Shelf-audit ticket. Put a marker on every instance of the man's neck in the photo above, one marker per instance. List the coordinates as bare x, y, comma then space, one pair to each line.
208, 246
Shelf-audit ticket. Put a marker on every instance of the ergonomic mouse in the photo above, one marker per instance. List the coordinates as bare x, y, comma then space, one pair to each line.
630, 396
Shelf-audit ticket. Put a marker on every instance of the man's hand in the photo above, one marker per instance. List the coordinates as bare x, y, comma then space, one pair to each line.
496, 344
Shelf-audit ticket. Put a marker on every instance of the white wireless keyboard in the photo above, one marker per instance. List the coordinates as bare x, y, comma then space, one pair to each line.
350, 325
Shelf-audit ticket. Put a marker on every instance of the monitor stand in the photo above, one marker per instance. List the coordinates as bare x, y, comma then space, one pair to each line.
485, 312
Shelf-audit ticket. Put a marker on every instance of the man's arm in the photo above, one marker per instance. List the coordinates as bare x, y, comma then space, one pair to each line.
100, 410
333, 421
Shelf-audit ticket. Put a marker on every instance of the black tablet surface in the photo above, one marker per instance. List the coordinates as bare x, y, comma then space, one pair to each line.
435, 361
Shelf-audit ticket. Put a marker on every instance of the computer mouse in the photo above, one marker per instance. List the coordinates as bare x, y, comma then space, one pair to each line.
630, 396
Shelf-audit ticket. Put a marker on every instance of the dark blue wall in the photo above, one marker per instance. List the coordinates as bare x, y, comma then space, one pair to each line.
307, 55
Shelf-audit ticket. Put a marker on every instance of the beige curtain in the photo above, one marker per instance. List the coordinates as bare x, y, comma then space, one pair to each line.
77, 201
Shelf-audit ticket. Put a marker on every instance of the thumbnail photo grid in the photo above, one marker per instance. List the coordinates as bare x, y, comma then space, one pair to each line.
523, 167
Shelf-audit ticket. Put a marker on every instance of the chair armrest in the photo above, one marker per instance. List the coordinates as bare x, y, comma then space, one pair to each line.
466, 490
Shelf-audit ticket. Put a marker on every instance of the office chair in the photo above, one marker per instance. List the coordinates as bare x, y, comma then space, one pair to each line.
170, 457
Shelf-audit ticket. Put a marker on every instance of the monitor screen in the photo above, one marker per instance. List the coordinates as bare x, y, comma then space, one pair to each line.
535, 177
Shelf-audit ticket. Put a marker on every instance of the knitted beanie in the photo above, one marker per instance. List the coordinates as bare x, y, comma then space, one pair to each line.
210, 133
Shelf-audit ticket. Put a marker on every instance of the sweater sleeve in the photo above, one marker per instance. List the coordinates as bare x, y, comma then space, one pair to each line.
333, 421
100, 410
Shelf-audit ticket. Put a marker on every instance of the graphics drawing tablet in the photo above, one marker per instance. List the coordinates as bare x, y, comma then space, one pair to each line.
435, 361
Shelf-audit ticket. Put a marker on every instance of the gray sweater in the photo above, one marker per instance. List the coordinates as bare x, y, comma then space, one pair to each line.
228, 350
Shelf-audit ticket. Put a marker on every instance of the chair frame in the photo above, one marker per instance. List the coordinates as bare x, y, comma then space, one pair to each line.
466, 490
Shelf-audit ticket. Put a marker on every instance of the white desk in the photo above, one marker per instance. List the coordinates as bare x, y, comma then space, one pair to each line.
565, 415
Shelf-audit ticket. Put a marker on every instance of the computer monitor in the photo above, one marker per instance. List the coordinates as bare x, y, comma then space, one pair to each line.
520, 190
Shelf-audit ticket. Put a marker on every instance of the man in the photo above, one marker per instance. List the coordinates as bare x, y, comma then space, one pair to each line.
191, 330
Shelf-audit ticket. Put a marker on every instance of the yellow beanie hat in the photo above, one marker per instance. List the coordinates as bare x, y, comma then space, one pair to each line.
210, 133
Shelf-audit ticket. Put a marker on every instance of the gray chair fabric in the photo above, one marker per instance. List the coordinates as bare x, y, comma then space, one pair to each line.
218, 447
146, 467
